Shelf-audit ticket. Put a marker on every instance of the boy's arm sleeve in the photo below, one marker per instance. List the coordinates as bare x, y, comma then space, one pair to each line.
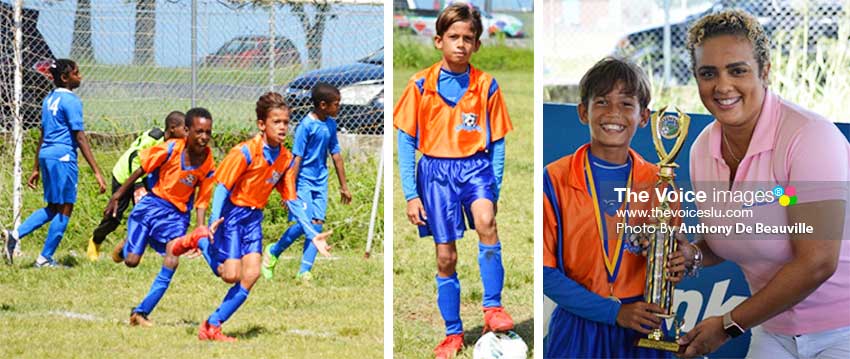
232, 166
221, 194
299, 143
407, 164
497, 113
497, 160
286, 187
333, 144
74, 113
404, 114
205, 190
153, 157
563, 290
574, 298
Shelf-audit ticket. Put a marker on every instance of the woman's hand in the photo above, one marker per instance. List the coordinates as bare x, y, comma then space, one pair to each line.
705, 338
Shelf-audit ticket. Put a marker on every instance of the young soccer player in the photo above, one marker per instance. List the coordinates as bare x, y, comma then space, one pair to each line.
315, 137
62, 132
455, 115
597, 285
178, 167
245, 179
128, 163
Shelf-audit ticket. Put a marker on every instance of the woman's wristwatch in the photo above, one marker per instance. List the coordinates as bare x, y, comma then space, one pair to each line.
730, 327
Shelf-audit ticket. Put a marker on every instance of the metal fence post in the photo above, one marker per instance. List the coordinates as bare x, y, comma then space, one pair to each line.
18, 131
271, 46
194, 51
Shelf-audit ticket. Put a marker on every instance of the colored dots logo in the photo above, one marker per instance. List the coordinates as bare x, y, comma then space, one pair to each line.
787, 196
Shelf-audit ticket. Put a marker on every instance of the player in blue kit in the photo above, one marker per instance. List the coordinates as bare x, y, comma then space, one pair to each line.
177, 168
315, 137
62, 132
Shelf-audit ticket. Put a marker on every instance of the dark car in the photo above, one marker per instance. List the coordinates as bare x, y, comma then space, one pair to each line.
361, 86
36, 57
248, 51
646, 46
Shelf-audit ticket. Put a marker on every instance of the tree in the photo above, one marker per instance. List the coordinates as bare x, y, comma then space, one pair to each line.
81, 46
143, 52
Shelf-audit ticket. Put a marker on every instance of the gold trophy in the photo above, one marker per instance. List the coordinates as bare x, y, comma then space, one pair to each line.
658, 289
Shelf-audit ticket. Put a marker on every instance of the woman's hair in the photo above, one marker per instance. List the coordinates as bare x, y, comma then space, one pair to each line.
730, 22
605, 74
458, 12
267, 102
61, 67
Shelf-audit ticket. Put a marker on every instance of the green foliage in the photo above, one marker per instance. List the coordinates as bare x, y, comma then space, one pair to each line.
412, 52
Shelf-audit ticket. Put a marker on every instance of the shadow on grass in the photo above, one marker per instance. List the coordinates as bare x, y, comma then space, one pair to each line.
65, 262
251, 332
525, 330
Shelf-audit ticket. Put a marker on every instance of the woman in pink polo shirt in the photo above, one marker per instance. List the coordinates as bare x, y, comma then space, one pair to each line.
800, 307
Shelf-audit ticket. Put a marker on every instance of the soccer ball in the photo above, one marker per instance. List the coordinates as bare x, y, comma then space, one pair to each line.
500, 346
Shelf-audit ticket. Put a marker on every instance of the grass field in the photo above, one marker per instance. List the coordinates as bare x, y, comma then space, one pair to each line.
82, 311
418, 326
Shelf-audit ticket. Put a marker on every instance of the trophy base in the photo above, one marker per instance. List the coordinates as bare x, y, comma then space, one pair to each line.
659, 345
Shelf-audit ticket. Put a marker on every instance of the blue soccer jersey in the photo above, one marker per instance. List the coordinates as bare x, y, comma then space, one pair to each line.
314, 139
61, 113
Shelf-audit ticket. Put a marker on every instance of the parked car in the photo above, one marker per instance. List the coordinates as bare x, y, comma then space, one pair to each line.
423, 22
247, 51
645, 46
36, 59
361, 87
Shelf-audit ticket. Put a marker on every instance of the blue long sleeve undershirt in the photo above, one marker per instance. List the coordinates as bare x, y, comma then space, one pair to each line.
571, 296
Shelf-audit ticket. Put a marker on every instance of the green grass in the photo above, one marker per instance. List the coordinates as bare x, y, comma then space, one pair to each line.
83, 311
410, 52
225, 75
418, 326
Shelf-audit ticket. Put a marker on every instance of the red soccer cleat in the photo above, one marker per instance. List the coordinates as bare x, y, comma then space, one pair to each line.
212, 332
190, 241
496, 319
449, 347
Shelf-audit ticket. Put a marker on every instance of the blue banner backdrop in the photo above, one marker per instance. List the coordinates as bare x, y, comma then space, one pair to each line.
717, 289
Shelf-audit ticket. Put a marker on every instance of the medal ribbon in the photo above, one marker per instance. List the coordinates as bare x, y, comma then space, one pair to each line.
611, 264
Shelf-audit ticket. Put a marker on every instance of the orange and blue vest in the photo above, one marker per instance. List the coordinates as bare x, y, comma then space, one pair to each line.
172, 177
250, 178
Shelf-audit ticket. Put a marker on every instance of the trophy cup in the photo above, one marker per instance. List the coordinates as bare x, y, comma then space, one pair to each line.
658, 290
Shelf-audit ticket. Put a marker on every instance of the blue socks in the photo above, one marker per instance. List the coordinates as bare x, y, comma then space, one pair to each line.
232, 301
35, 221
448, 300
160, 284
310, 251
54, 235
492, 273
292, 233
204, 245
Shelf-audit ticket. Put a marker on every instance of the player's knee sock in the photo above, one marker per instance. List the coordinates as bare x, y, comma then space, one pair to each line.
35, 221
310, 251
292, 233
492, 273
54, 235
204, 246
448, 300
158, 288
232, 301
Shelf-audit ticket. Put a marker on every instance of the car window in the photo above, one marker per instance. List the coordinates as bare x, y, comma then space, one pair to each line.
377, 58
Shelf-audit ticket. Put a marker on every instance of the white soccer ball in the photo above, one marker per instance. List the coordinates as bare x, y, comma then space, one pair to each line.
506, 345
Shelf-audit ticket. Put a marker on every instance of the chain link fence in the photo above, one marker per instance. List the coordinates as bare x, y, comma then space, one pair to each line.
580, 32
137, 62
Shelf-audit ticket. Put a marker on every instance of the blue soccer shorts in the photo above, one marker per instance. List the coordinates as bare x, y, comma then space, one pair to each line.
154, 221
447, 188
315, 196
59, 179
240, 233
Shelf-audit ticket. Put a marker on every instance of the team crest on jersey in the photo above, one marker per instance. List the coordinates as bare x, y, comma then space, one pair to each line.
189, 180
468, 122
275, 177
